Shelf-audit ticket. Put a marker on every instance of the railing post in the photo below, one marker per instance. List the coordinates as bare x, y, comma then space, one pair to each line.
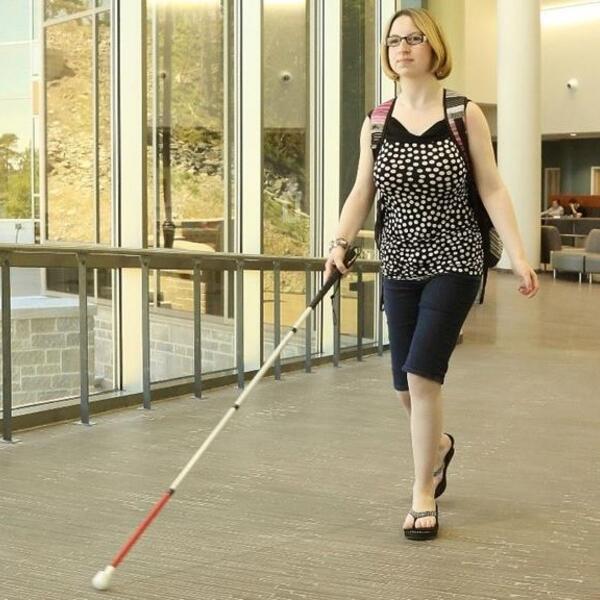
277, 315
337, 316
239, 322
197, 333
379, 315
6, 354
307, 323
84, 384
359, 313
146, 332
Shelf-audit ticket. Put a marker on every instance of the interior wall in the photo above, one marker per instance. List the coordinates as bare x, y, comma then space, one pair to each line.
571, 49
574, 158
451, 15
480, 50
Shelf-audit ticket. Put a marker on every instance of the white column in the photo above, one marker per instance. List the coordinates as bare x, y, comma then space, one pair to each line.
386, 89
332, 56
519, 120
248, 146
132, 157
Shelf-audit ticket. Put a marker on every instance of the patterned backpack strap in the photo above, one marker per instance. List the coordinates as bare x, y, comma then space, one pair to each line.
379, 117
455, 106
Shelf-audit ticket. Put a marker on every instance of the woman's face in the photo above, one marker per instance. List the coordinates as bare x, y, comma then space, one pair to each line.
409, 61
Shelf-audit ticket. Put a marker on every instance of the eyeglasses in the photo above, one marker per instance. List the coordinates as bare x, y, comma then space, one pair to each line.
412, 39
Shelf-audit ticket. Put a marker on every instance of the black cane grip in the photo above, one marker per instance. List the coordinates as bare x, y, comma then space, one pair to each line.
349, 259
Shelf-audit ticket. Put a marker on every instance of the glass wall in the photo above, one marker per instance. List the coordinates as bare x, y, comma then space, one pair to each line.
286, 206
77, 90
72, 107
359, 60
56, 88
18, 144
188, 197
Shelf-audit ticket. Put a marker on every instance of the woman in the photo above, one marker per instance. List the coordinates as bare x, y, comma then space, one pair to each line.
431, 246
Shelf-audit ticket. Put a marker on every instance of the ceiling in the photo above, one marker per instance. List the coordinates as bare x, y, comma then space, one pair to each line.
557, 3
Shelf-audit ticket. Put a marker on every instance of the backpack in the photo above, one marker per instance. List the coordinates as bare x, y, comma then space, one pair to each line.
454, 106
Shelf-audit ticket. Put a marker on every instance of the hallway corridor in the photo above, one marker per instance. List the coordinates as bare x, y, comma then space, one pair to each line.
303, 495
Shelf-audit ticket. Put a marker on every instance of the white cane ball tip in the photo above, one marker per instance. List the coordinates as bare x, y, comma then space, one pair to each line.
101, 580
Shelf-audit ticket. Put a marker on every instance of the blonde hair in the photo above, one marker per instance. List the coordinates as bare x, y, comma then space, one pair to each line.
442, 60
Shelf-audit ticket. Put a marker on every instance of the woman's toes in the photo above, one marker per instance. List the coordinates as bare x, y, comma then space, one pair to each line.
423, 522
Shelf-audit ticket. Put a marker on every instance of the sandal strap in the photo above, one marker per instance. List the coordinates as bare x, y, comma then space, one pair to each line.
419, 515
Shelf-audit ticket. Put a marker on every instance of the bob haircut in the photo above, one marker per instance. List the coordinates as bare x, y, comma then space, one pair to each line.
442, 60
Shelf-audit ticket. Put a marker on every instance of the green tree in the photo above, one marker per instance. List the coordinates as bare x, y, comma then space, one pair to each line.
15, 179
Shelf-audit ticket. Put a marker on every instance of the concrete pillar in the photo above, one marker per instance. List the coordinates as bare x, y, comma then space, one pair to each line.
519, 117
248, 145
133, 214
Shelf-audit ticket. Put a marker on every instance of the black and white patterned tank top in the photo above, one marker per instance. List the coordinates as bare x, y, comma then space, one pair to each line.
429, 227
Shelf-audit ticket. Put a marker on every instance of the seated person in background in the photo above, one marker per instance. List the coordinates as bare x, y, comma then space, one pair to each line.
556, 210
575, 209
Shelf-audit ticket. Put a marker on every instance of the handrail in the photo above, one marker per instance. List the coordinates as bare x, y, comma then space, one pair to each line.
84, 257
48, 255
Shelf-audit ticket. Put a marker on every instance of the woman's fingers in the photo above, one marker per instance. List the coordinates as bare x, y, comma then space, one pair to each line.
529, 284
535, 284
525, 286
335, 261
340, 266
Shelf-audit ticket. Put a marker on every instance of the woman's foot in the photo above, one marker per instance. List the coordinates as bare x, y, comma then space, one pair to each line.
422, 502
445, 446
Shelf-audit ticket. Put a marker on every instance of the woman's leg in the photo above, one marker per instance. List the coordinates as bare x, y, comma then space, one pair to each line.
444, 304
426, 430
443, 445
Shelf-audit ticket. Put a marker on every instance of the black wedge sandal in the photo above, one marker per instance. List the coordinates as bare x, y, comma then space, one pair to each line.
441, 486
422, 533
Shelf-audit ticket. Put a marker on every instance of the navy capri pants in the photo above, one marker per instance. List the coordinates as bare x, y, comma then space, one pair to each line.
424, 318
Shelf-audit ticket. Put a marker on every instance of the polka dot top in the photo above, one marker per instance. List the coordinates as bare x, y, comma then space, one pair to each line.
429, 227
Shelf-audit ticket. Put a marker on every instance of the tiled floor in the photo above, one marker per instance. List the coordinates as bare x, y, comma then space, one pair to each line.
302, 496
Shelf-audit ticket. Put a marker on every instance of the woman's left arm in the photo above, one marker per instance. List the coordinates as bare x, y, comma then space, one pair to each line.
496, 198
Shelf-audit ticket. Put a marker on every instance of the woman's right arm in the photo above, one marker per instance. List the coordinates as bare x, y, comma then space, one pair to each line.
357, 205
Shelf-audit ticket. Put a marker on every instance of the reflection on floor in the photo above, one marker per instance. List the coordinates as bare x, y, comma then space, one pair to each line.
303, 494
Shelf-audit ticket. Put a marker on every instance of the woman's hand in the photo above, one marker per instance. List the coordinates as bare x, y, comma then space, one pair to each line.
528, 280
335, 260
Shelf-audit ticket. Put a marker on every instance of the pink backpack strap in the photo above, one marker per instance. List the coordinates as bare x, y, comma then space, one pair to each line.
455, 106
379, 116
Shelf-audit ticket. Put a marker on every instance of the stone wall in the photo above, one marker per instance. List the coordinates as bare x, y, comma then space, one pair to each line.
172, 344
45, 348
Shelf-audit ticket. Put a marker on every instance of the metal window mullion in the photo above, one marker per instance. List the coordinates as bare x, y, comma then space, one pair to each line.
155, 163
115, 179
95, 130
43, 122
316, 147
90, 12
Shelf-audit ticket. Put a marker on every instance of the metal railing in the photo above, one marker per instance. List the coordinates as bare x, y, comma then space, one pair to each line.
84, 258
